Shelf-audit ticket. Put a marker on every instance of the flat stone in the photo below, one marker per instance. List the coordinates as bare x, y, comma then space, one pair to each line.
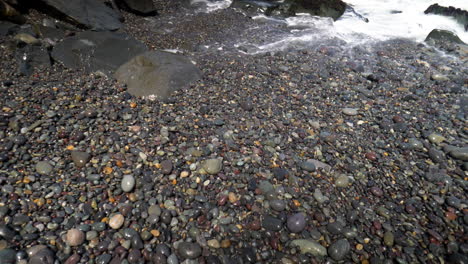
307, 246
342, 181
272, 223
460, 153
26, 38
308, 166
278, 205
166, 167
339, 249
350, 111
389, 238
8, 256
436, 138
44, 256
189, 250
212, 166
128, 183
44, 167
80, 158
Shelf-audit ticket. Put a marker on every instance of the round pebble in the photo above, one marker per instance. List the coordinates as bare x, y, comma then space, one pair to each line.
75, 237
128, 183
116, 221
43, 167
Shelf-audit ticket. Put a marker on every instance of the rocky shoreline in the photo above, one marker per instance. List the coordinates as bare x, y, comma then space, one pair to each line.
322, 155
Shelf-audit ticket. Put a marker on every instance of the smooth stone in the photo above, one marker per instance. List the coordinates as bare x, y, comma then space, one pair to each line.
116, 221
415, 144
460, 153
189, 250
342, 181
80, 158
7, 256
172, 259
43, 167
103, 259
212, 166
266, 187
45, 256
339, 249
319, 197
308, 166
310, 247
166, 167
436, 155
213, 243
436, 138
26, 38
335, 228
75, 237
296, 222
271, 223
6, 232
128, 182
389, 238
350, 111
278, 205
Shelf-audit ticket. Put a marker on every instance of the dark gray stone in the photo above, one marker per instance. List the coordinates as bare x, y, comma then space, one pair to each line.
45, 256
157, 74
189, 250
459, 14
339, 249
440, 35
142, 7
296, 222
7, 256
89, 14
97, 51
271, 223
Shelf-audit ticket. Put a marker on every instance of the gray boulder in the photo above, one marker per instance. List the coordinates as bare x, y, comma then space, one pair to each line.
459, 14
89, 14
97, 51
440, 35
157, 74
142, 7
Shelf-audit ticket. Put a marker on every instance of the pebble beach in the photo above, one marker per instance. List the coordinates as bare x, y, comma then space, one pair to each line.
327, 154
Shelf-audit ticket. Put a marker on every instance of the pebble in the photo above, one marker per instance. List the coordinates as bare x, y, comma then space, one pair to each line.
128, 182
350, 111
214, 243
278, 205
342, 181
376, 191
460, 153
308, 246
116, 221
308, 166
212, 166
319, 197
80, 158
26, 38
339, 249
436, 138
75, 237
272, 223
8, 256
189, 250
389, 238
43, 167
44, 256
296, 222
166, 167
415, 144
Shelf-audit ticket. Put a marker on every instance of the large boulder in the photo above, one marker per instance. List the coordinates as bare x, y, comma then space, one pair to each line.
88, 14
323, 8
97, 51
443, 36
459, 14
158, 74
142, 7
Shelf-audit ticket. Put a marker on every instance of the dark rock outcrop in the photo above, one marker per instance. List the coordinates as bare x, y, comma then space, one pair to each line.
7, 28
88, 14
8, 12
97, 51
141, 7
157, 73
323, 8
459, 14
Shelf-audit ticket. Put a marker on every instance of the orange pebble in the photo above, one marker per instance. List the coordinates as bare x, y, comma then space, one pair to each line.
107, 170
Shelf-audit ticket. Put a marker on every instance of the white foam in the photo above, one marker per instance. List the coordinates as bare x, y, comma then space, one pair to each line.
213, 5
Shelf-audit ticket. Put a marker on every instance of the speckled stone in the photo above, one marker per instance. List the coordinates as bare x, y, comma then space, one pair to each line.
189, 250
212, 166
80, 158
307, 246
44, 167
128, 182
116, 221
75, 237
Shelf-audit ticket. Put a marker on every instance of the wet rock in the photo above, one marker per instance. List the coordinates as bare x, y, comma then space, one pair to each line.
44, 256
342, 181
272, 223
460, 15
339, 249
90, 14
278, 205
128, 183
460, 153
212, 166
80, 158
75, 237
43, 167
144, 7
350, 111
157, 74
97, 51
189, 250
308, 166
296, 222
307, 246
440, 35
116, 221
8, 256
166, 167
